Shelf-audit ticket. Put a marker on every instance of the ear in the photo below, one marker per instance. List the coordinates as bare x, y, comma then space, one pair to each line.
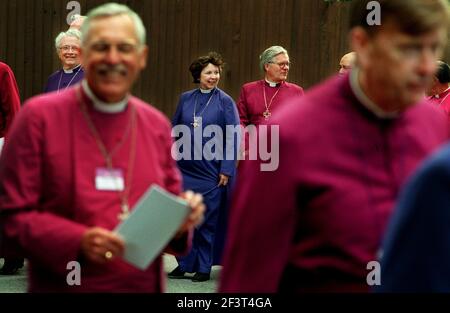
143, 57
266, 67
361, 43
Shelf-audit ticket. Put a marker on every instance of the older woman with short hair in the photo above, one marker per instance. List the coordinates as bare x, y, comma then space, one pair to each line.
207, 159
67, 46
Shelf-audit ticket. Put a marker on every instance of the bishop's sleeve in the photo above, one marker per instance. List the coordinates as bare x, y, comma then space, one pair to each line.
416, 252
176, 119
242, 107
261, 226
244, 118
10, 99
228, 164
44, 237
301, 91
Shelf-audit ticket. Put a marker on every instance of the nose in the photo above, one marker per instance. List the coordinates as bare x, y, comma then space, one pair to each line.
112, 55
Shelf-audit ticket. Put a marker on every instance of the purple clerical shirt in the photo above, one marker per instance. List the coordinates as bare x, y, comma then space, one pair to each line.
60, 80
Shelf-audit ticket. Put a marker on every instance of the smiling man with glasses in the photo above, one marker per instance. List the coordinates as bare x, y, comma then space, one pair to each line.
67, 46
259, 99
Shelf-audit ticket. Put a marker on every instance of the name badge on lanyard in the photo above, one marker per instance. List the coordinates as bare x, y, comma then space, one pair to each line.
109, 179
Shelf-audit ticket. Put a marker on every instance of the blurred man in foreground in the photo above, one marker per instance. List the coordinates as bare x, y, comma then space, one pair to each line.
346, 148
79, 161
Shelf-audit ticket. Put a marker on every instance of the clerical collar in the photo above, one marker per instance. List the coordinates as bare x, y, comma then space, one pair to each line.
361, 96
74, 69
206, 90
442, 94
101, 106
271, 84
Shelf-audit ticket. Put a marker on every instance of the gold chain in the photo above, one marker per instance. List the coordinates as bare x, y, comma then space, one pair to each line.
267, 113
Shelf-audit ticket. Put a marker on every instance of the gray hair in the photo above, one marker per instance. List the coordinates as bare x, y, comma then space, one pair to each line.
110, 10
70, 33
268, 55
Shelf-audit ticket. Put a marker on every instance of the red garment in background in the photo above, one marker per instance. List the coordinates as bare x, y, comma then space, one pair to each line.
9, 98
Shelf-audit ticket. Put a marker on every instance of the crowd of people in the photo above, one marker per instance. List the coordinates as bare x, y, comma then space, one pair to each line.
346, 149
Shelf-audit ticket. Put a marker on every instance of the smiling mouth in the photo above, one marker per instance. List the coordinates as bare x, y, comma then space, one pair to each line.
106, 70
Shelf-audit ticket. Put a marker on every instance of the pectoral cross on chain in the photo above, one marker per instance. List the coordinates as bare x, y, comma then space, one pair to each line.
125, 212
195, 123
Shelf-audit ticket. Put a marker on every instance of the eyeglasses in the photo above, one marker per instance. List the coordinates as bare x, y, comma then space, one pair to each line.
124, 48
67, 48
282, 64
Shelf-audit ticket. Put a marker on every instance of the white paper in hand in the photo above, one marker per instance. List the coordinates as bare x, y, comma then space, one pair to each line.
151, 225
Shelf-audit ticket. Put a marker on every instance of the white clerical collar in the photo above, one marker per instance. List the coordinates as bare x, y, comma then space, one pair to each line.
206, 90
271, 84
361, 96
70, 71
101, 106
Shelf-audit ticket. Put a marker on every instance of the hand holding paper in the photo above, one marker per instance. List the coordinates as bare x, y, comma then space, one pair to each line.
154, 220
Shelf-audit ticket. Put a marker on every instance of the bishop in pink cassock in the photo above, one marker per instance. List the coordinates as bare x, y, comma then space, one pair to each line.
58, 202
259, 99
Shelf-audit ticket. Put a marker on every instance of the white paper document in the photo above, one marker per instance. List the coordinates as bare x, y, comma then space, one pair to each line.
151, 225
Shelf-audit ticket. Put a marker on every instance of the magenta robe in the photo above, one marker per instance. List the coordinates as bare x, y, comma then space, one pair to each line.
316, 222
442, 101
251, 99
9, 98
48, 196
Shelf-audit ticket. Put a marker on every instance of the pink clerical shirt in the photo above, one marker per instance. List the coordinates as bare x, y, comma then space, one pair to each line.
252, 105
316, 222
442, 101
48, 196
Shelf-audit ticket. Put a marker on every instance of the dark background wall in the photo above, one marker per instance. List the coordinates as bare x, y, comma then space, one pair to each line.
313, 31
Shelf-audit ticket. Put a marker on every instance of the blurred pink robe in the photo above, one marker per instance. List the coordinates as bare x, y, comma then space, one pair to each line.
315, 223
48, 196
